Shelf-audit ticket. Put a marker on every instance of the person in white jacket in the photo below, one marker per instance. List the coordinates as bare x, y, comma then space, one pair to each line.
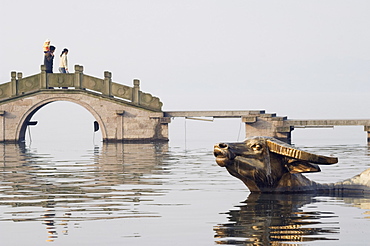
63, 64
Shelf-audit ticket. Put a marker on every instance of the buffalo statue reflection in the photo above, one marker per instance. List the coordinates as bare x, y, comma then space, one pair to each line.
267, 165
272, 219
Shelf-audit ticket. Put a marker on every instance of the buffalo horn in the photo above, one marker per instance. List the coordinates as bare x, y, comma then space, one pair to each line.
281, 148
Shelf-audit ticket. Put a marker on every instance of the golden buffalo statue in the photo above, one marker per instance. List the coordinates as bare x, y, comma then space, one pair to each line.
267, 165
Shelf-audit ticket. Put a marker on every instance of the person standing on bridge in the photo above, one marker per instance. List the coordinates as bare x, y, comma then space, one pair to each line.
48, 59
63, 64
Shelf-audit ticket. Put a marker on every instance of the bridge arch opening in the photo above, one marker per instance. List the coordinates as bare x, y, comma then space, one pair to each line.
62, 121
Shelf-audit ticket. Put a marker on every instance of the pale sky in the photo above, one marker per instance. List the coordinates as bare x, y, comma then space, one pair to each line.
301, 59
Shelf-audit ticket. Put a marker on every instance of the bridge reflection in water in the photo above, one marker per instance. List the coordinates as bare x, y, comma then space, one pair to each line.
111, 183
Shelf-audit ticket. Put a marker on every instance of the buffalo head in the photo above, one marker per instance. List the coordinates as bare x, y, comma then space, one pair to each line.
268, 165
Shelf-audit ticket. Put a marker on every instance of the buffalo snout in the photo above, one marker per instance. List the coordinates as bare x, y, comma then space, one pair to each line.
223, 154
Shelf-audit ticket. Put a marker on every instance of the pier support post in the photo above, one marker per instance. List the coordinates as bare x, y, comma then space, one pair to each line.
367, 129
284, 133
269, 126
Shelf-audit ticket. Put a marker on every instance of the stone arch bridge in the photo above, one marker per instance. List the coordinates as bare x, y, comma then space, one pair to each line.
123, 113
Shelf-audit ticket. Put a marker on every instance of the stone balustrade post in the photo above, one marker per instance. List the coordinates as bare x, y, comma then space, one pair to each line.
78, 76
19, 78
135, 92
19, 75
43, 78
13, 81
107, 83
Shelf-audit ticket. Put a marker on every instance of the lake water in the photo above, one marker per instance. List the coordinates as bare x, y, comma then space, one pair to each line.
166, 194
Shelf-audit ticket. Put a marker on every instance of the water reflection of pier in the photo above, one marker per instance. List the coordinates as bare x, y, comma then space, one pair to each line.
114, 181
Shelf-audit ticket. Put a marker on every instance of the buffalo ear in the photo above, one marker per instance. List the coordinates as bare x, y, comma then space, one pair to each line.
298, 166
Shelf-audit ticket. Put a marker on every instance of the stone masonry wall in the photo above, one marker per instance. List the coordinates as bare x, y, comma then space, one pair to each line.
118, 121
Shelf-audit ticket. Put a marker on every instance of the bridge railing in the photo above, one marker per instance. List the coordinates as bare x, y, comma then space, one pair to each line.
19, 86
